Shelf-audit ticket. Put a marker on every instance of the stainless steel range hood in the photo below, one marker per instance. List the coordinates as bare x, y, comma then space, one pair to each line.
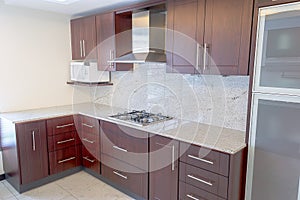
148, 36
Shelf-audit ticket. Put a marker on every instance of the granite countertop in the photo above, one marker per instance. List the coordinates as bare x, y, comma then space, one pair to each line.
221, 139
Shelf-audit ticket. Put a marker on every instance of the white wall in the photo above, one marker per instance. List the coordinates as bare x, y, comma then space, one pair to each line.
34, 59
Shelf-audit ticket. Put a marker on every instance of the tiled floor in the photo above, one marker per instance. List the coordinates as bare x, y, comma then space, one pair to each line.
81, 186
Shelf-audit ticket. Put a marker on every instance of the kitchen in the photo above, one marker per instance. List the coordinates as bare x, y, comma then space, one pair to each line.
152, 99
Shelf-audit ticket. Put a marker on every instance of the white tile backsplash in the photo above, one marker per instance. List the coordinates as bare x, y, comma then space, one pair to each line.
215, 100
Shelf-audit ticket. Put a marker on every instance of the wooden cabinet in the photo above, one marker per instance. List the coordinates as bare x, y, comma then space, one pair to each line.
83, 38
222, 30
209, 174
32, 147
64, 144
114, 39
89, 131
124, 157
163, 170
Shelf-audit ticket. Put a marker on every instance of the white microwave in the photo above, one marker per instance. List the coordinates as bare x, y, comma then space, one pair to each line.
88, 73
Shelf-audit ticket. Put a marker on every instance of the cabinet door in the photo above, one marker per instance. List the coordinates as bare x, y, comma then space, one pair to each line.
32, 144
88, 29
105, 41
227, 36
184, 25
163, 168
76, 42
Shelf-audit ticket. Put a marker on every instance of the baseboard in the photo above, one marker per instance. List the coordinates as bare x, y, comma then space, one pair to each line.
2, 177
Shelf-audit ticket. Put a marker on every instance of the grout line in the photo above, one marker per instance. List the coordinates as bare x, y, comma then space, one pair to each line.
66, 191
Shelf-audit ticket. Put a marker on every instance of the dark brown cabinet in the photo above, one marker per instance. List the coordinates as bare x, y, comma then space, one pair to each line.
83, 38
124, 157
32, 146
220, 27
209, 174
89, 132
163, 170
114, 39
64, 144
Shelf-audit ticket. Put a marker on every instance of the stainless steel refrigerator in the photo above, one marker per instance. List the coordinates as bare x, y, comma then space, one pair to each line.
273, 171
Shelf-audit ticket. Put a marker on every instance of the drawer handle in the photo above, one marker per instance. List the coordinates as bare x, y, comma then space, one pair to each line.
65, 141
89, 126
192, 197
86, 158
200, 180
66, 160
121, 175
200, 159
120, 149
66, 125
87, 140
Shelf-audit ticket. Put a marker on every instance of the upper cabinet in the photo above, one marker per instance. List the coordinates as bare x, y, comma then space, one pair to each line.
113, 39
83, 38
221, 29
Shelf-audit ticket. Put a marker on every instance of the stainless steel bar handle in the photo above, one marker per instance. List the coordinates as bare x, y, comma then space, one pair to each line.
111, 57
121, 175
83, 47
33, 141
200, 180
66, 125
87, 140
192, 197
201, 159
204, 56
87, 125
65, 141
197, 56
173, 157
66, 160
120, 149
86, 158
80, 48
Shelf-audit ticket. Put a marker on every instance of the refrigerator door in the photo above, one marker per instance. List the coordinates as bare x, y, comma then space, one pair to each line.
277, 57
274, 148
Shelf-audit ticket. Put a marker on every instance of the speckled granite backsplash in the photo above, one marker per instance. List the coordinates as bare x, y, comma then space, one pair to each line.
215, 100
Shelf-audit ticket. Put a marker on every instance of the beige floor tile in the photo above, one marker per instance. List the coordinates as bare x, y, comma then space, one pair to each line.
80, 186
5, 193
51, 191
10, 188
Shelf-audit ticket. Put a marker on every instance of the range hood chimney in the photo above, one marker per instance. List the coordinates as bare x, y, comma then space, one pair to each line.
148, 36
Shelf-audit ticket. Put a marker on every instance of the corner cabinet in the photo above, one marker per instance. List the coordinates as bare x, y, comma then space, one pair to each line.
222, 30
83, 38
163, 170
114, 39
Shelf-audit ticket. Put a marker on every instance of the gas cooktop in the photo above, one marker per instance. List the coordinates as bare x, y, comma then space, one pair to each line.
141, 118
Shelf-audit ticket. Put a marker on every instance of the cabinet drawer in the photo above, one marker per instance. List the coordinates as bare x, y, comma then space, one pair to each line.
89, 125
205, 158
91, 160
126, 144
189, 192
208, 181
126, 176
64, 159
90, 141
60, 125
63, 140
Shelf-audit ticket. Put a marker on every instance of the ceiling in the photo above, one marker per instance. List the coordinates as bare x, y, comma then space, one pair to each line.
73, 7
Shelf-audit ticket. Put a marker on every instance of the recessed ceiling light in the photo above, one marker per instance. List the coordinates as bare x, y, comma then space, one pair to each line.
64, 2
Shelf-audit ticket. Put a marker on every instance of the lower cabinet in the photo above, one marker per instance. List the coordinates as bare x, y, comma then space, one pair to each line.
32, 145
64, 144
131, 178
163, 170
